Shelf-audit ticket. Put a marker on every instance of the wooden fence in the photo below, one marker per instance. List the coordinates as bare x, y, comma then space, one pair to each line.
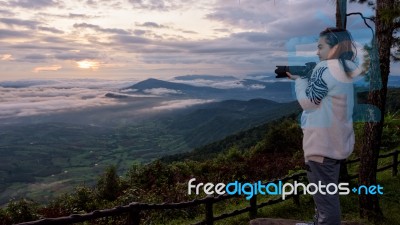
133, 210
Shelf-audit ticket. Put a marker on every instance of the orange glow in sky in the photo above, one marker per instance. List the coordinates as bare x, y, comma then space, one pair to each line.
86, 64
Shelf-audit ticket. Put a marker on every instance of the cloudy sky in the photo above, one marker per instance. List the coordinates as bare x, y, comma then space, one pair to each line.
136, 39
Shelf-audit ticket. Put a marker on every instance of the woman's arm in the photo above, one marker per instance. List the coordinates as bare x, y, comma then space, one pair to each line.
310, 92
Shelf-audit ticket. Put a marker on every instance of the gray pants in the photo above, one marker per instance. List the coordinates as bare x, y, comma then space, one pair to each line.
327, 206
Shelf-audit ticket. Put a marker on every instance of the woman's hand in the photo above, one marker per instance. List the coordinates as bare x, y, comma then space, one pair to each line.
292, 77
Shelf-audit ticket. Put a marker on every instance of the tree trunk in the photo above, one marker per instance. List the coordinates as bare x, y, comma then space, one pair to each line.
369, 204
341, 10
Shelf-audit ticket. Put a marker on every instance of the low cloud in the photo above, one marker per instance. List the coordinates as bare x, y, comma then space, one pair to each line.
256, 86
32, 97
162, 91
47, 68
44, 105
179, 104
223, 84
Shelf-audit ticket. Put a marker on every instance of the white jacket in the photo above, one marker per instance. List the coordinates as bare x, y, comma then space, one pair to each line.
327, 98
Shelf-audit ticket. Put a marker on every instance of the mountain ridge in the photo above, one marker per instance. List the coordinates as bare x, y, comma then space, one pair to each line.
241, 90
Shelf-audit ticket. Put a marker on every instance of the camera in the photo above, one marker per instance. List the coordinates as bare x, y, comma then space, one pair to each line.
302, 71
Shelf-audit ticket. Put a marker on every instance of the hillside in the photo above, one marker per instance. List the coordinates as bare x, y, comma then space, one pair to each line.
215, 121
264, 152
41, 158
242, 140
247, 138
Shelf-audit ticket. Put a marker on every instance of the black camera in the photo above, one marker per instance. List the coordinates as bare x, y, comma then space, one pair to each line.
303, 71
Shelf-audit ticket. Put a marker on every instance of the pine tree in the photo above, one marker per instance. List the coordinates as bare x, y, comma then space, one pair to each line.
108, 186
387, 24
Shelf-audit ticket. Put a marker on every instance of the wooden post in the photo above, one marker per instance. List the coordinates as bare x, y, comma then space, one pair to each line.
395, 162
344, 173
209, 210
296, 200
134, 215
253, 205
296, 197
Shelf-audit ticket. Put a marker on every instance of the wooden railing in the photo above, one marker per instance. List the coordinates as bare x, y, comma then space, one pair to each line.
133, 210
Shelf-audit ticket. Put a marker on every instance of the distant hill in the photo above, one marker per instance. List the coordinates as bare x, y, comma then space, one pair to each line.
114, 95
198, 92
249, 89
394, 81
155, 83
205, 77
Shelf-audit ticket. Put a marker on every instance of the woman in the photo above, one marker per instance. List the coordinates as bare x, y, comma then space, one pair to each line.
327, 99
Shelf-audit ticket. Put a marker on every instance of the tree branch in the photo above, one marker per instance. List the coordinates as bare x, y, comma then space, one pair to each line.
365, 20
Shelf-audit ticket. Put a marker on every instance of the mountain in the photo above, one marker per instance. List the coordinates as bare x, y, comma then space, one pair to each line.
205, 77
199, 92
243, 90
115, 95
